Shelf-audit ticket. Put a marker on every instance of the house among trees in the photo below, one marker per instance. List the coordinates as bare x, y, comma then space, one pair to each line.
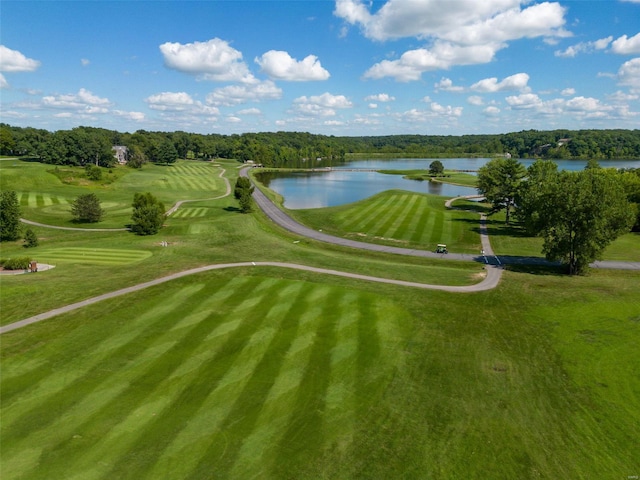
121, 153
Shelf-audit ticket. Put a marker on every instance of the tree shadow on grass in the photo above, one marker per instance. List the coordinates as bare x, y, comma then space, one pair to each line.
231, 209
496, 228
549, 269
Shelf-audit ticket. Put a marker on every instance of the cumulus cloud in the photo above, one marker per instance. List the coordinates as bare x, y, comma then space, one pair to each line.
213, 60
380, 97
324, 105
446, 84
518, 81
567, 92
584, 47
280, 65
179, 102
250, 111
629, 74
3, 82
251, 92
441, 56
475, 100
626, 46
135, 116
491, 111
471, 33
14, 61
585, 108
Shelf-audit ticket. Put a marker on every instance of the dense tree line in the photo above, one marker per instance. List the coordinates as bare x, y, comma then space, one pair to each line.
88, 145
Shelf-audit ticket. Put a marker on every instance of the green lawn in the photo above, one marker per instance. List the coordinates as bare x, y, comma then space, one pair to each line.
449, 176
399, 218
274, 373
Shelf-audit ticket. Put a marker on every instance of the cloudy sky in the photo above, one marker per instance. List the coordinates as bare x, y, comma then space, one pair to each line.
344, 67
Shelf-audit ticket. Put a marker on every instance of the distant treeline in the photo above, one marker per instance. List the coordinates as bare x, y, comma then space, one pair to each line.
84, 145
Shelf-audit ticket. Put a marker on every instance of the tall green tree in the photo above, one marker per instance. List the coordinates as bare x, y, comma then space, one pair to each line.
148, 214
9, 216
499, 181
533, 197
436, 168
86, 208
581, 214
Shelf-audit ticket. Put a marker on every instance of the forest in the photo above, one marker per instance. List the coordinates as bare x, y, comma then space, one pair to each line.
91, 145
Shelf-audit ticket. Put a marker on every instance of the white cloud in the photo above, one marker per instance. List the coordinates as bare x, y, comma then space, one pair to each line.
84, 62
441, 56
525, 100
584, 47
447, 111
567, 92
381, 97
626, 46
83, 100
280, 65
629, 74
518, 81
250, 111
324, 105
471, 33
238, 94
135, 116
14, 61
3, 82
446, 84
214, 60
373, 105
233, 119
491, 111
622, 97
179, 102
475, 100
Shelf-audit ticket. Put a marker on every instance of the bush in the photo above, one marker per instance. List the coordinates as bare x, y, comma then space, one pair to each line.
93, 172
16, 263
148, 214
30, 239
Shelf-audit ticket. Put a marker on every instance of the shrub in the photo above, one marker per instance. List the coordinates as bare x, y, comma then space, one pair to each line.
86, 208
30, 239
16, 263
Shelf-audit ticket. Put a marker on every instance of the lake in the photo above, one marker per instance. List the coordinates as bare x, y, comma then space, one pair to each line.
341, 186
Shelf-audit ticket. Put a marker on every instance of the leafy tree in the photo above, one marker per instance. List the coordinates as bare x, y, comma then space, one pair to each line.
30, 239
242, 184
148, 214
86, 208
9, 216
499, 181
533, 196
246, 201
581, 214
166, 152
436, 168
137, 157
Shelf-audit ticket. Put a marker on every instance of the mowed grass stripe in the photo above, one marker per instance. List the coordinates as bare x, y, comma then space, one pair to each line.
423, 224
190, 212
373, 219
100, 256
397, 229
254, 460
89, 388
304, 429
119, 438
365, 214
157, 357
228, 370
244, 414
25, 382
392, 215
436, 229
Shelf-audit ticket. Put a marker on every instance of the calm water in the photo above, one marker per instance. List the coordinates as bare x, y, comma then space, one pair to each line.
340, 186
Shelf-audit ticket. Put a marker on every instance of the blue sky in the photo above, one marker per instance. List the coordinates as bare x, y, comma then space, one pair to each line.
344, 67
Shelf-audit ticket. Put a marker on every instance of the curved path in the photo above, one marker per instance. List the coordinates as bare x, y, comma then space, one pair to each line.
175, 207
490, 281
